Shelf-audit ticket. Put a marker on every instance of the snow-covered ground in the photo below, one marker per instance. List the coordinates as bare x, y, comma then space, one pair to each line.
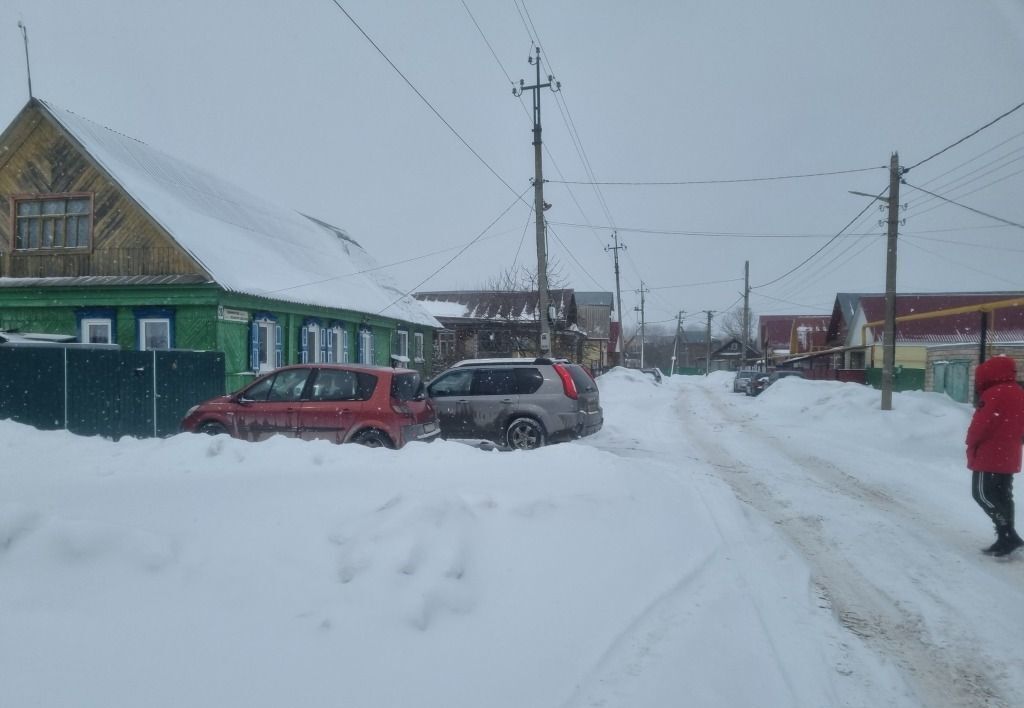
705, 549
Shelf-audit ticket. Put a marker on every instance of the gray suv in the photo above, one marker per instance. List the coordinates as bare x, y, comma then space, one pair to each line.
519, 403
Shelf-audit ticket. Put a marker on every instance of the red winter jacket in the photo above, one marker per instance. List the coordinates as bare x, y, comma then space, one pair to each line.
995, 435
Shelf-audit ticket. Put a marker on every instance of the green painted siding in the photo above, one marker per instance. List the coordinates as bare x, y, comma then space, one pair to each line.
198, 324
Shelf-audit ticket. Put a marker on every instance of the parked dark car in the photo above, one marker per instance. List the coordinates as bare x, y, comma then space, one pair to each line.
757, 384
518, 403
739, 382
373, 406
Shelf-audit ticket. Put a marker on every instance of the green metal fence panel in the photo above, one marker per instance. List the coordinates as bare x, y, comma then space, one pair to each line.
110, 393
903, 379
184, 379
32, 386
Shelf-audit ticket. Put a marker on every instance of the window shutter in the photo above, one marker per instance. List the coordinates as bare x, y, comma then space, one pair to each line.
325, 349
304, 345
279, 347
369, 345
329, 335
254, 347
344, 346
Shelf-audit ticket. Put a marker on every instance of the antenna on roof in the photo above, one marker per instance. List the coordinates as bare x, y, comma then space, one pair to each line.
28, 65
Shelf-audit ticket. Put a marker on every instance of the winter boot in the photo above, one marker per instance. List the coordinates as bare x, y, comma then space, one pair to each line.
1006, 545
1001, 535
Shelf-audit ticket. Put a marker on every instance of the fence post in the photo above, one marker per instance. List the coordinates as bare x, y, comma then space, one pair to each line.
65, 388
155, 394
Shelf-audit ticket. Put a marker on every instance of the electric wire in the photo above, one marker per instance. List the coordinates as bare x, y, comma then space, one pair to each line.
973, 191
963, 181
660, 183
966, 137
529, 218
827, 243
961, 265
465, 248
964, 206
575, 260
423, 98
694, 285
484, 37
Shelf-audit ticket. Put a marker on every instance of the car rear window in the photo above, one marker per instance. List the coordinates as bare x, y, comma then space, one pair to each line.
405, 387
581, 378
494, 382
528, 380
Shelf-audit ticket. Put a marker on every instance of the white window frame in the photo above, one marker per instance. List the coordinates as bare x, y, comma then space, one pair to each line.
143, 322
340, 344
418, 343
88, 322
314, 334
269, 328
366, 354
403, 343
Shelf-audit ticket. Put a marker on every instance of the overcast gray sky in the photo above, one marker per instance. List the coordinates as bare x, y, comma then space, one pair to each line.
292, 102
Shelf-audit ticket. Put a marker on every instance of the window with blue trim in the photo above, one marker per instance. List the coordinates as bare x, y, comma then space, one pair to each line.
97, 325
337, 345
154, 328
366, 345
266, 343
312, 343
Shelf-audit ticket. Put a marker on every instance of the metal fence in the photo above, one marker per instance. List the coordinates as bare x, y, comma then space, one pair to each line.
114, 393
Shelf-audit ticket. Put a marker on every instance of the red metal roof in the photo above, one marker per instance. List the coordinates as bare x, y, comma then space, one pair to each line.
1005, 324
774, 330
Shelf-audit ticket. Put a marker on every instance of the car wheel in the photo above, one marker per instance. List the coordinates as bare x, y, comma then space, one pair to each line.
212, 428
524, 434
373, 438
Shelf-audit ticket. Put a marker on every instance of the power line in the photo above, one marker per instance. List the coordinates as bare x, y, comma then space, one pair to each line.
960, 264
680, 232
573, 256
964, 206
694, 285
519, 197
966, 137
827, 243
484, 37
658, 183
967, 194
423, 98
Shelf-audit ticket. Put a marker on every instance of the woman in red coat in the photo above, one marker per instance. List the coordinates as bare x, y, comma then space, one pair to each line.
994, 447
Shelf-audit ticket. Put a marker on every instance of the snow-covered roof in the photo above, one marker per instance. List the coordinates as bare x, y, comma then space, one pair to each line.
247, 244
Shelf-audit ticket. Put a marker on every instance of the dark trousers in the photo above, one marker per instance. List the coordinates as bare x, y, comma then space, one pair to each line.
994, 493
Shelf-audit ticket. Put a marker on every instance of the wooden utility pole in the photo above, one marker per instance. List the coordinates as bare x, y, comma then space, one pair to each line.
544, 340
640, 309
746, 312
707, 365
675, 342
889, 345
618, 291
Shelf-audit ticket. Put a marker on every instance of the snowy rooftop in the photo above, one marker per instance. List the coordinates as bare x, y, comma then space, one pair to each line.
247, 244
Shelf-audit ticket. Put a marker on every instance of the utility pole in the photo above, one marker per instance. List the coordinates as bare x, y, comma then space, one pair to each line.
28, 65
675, 343
544, 341
618, 291
889, 350
640, 309
707, 366
746, 312
889, 332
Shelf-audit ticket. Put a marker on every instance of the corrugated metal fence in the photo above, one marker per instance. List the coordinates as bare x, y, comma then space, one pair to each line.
106, 392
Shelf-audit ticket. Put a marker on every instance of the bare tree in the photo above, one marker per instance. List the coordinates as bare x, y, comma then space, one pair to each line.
523, 279
730, 326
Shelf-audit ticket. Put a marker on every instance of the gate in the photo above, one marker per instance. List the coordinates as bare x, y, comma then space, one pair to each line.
953, 379
99, 391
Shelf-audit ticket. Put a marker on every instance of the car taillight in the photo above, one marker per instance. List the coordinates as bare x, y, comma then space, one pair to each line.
568, 385
400, 408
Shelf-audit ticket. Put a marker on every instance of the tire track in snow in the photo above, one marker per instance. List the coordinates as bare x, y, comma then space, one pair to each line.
889, 625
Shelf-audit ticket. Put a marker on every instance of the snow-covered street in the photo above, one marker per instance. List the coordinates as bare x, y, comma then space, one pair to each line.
802, 548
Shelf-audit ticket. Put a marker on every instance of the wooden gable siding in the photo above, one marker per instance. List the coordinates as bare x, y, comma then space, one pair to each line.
37, 158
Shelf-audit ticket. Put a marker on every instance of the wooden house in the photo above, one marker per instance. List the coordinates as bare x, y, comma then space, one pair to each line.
105, 238
496, 324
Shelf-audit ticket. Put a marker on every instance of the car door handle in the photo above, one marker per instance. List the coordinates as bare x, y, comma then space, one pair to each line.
506, 400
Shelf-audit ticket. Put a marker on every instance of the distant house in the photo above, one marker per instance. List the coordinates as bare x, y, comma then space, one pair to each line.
809, 334
594, 318
938, 338
107, 239
729, 355
774, 336
495, 324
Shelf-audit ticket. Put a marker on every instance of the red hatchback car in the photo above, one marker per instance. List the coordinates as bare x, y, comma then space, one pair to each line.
373, 406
